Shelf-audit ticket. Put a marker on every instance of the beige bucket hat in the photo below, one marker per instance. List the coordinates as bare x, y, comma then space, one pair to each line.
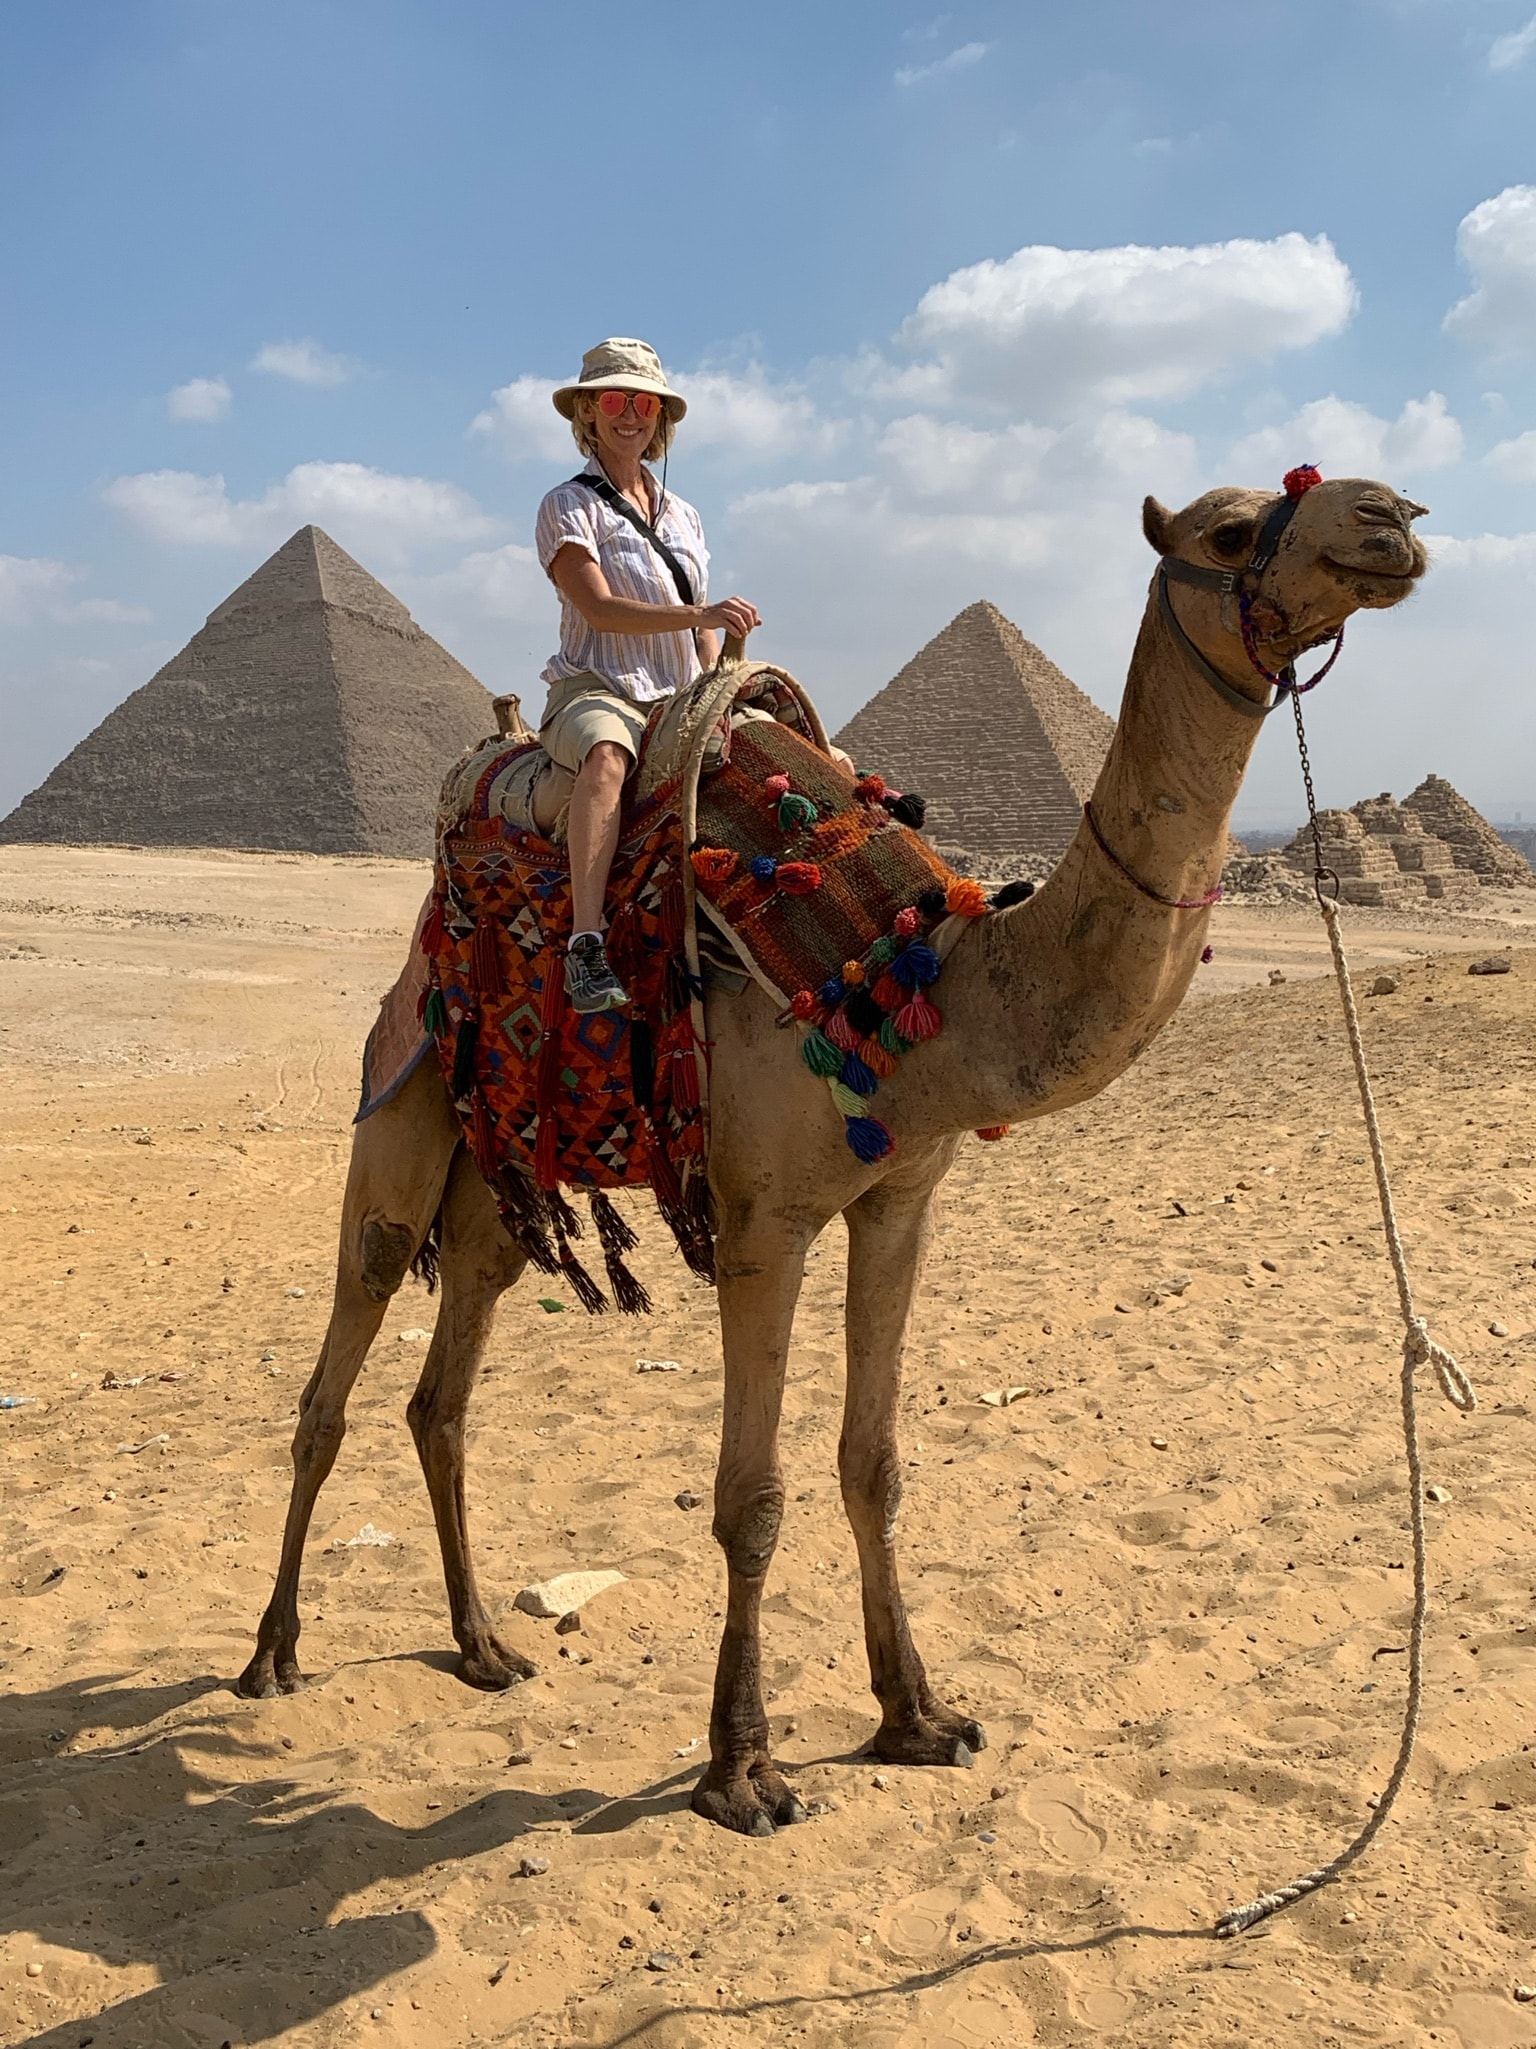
620, 364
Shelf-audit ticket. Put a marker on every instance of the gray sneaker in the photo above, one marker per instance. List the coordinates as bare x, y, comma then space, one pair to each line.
590, 983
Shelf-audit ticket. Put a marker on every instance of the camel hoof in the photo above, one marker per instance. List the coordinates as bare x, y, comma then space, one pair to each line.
923, 1742
493, 1668
264, 1679
739, 1807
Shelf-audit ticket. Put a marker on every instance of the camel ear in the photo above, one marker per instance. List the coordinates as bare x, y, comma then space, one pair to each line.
1157, 525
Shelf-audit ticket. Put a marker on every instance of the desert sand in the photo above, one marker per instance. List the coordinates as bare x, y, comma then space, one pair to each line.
1169, 1577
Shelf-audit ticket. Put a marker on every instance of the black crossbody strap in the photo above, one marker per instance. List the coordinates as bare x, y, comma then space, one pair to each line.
617, 502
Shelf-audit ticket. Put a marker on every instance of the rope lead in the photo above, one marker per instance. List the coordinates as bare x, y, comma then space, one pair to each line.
1419, 1349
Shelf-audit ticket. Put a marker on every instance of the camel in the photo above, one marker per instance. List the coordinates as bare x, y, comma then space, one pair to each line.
1045, 1002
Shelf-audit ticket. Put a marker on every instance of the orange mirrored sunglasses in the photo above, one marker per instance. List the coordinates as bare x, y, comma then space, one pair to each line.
646, 404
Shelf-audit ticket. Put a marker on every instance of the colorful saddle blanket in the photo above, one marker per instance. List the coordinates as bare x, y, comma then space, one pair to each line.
825, 897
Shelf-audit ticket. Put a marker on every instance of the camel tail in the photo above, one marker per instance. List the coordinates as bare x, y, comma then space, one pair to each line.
428, 1261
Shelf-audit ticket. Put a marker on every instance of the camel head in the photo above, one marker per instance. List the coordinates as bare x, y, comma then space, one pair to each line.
1348, 544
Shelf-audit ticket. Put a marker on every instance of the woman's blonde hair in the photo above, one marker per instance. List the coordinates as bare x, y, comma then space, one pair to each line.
586, 436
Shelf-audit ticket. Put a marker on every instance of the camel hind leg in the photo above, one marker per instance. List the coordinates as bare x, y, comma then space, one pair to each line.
479, 1262
399, 1167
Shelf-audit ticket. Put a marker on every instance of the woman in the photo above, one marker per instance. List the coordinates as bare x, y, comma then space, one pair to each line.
629, 561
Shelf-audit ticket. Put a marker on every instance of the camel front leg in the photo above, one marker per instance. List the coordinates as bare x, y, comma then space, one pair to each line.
888, 1233
760, 1269
400, 1161
479, 1262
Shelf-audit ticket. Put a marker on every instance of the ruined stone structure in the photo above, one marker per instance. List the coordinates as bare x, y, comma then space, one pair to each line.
1472, 840
1389, 855
310, 713
1003, 746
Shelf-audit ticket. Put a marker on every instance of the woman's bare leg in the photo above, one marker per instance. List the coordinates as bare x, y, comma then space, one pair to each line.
593, 832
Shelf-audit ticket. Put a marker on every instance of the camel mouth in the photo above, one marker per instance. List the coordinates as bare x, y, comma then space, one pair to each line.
1375, 586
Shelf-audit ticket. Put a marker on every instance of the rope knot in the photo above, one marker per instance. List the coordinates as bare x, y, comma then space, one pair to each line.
1420, 1349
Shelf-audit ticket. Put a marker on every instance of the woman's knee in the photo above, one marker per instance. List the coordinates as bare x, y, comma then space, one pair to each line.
606, 765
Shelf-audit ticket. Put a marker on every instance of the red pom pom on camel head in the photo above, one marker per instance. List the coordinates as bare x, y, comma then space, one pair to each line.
1300, 480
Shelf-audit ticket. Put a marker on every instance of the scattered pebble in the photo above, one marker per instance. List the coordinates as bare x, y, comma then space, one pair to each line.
1348, 1917
296, 1294
34, 1970
267, 1358
987, 1835
661, 1960
567, 1742
657, 1366
1439, 1494
521, 1757
414, 1336
133, 1450
1122, 1309
998, 1793
1002, 1397
73, 1811
1495, 964
1498, 1330
1525, 1994
688, 1499
569, 1623
1384, 985
1158, 1443
532, 1867
501, 1971
1269, 1266
691, 1745
565, 1594
881, 1781
1276, 977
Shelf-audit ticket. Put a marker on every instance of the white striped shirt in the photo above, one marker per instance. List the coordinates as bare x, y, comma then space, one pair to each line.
644, 666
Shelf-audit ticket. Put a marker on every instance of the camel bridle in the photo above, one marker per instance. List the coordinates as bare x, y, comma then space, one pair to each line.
1245, 585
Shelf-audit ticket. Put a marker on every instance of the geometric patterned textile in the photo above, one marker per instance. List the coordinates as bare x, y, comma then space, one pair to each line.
547, 1096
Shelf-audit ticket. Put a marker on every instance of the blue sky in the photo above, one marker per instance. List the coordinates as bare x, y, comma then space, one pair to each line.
949, 292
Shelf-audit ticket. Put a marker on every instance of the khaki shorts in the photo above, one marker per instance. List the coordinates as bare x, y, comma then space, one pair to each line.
581, 711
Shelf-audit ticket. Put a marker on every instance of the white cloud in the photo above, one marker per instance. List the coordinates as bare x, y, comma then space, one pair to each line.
200, 398
1510, 51
524, 424
35, 587
385, 513
303, 362
1497, 243
957, 60
1346, 439
751, 415
30, 584
1514, 461
1052, 328
493, 583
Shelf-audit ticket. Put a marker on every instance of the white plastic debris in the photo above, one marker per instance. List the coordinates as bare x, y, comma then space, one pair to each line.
657, 1366
369, 1534
414, 1336
1002, 1397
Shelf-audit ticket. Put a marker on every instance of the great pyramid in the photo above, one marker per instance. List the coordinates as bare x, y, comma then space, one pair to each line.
311, 713
1004, 747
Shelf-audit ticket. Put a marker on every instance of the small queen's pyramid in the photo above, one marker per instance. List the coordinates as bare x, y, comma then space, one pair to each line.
311, 714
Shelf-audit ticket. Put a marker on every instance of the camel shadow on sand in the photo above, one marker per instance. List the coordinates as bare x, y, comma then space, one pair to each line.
233, 1891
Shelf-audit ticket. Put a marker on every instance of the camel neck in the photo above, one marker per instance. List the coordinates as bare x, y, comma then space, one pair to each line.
1048, 1001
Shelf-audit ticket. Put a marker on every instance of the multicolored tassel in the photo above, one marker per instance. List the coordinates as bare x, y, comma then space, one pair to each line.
868, 1139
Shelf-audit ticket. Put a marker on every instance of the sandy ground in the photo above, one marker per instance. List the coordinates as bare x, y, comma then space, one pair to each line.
1170, 1578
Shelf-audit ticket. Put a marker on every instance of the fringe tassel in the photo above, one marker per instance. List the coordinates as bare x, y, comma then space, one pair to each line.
483, 1128
919, 1019
434, 1014
821, 1056
561, 1215
671, 915
856, 1076
432, 930
868, 1139
842, 1034
878, 1058
464, 1058
522, 1212
616, 1238
613, 1231
582, 1285
888, 993
546, 1149
685, 1079
892, 1040
485, 959
665, 1185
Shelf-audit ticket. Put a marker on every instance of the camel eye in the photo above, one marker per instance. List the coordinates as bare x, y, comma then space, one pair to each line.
1232, 539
